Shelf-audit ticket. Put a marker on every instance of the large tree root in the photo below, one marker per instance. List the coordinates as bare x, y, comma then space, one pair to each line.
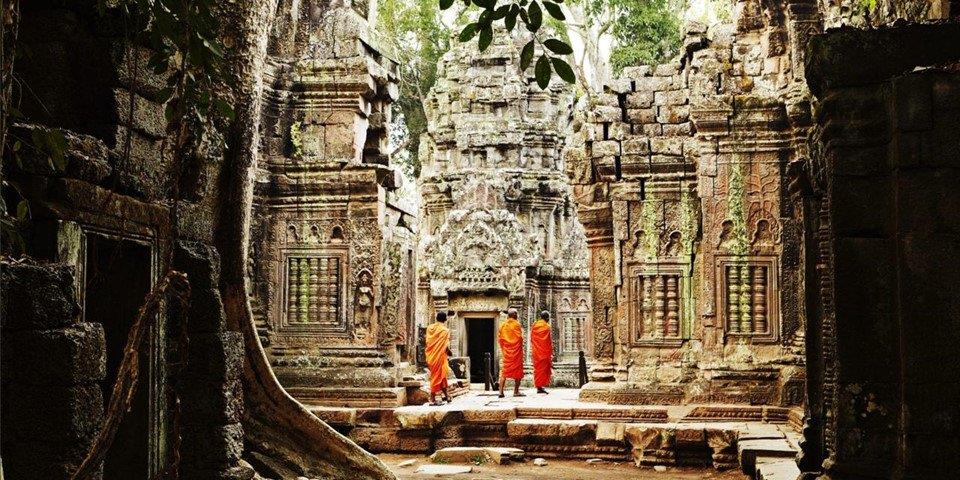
278, 430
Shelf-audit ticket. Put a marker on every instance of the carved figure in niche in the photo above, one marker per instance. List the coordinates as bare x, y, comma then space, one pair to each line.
314, 234
292, 235
337, 234
725, 239
363, 305
514, 191
762, 234
673, 244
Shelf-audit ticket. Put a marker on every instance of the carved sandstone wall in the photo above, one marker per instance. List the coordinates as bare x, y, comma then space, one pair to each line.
499, 228
679, 171
332, 250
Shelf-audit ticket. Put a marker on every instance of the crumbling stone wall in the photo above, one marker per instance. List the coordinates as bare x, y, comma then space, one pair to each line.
679, 172
332, 242
498, 225
50, 372
880, 191
83, 73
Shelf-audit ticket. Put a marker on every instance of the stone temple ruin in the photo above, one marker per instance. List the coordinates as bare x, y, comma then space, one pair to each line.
763, 230
681, 171
499, 227
332, 250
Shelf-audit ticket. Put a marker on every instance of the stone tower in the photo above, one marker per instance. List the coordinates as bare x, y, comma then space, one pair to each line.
499, 228
332, 251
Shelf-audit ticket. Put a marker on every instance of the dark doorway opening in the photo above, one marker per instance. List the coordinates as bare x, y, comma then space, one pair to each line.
479, 341
117, 278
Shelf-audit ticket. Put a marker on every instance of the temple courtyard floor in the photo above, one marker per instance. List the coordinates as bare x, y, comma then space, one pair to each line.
508, 437
556, 469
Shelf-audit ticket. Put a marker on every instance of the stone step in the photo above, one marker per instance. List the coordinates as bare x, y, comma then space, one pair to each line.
775, 468
477, 455
751, 449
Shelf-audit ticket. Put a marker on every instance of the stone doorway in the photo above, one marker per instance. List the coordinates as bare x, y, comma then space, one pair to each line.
118, 275
480, 341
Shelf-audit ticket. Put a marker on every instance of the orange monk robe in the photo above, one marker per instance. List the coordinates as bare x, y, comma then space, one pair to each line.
438, 340
510, 337
541, 349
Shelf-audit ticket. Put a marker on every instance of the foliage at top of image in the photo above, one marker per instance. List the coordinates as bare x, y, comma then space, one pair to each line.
647, 32
531, 14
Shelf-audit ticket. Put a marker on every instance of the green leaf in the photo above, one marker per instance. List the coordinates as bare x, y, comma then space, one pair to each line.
501, 12
554, 10
23, 210
486, 18
468, 32
511, 20
542, 72
557, 46
535, 16
486, 4
526, 55
563, 70
486, 36
165, 94
445, 4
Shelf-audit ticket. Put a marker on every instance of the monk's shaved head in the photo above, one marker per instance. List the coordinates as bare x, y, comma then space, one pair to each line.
545, 315
512, 313
441, 317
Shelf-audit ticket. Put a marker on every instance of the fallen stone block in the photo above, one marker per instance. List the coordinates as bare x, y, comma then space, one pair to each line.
777, 469
540, 462
610, 433
477, 455
443, 469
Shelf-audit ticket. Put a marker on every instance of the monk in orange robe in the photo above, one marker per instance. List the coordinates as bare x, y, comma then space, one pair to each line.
541, 349
438, 348
510, 337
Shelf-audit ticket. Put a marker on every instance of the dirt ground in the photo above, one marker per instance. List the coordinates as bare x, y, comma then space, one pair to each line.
558, 470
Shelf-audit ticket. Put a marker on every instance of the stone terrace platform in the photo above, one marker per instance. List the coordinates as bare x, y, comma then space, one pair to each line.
559, 425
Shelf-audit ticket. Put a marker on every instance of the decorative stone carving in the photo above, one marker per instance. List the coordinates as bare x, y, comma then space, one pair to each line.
498, 208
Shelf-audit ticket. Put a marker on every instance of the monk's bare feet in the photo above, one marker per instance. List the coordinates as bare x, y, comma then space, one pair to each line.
542, 390
447, 399
518, 394
501, 395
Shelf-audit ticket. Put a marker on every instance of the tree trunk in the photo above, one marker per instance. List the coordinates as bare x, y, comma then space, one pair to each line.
275, 425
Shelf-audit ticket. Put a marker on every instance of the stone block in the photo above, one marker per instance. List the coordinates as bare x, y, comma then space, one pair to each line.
640, 99
671, 97
42, 460
678, 129
653, 84
605, 148
204, 402
605, 113
667, 69
944, 143
650, 130
666, 145
673, 113
37, 297
610, 433
638, 72
775, 468
64, 356
211, 447
51, 413
642, 115
618, 130
222, 355
749, 450
635, 145
477, 455
147, 116
913, 98
620, 85
863, 206
490, 415
418, 417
